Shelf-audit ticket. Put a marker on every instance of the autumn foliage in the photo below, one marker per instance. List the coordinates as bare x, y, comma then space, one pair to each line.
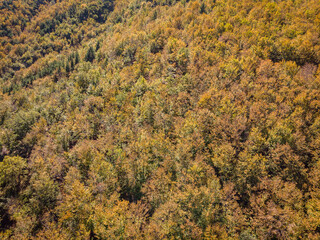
160, 119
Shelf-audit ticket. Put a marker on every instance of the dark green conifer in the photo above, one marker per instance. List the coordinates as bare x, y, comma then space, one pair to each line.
202, 8
72, 64
90, 56
77, 58
98, 45
67, 67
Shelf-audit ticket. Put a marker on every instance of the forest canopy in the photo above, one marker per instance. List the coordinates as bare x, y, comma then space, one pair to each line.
159, 119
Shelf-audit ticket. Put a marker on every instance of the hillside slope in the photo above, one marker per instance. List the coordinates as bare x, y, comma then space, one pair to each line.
160, 119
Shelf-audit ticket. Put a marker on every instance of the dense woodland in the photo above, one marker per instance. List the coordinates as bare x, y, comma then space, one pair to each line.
160, 119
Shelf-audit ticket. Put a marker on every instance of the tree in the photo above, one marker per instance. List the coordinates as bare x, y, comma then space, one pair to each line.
68, 67
98, 45
90, 56
13, 176
202, 8
77, 58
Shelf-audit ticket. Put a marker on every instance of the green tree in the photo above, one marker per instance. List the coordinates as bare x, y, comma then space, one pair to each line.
13, 176
77, 58
68, 67
90, 56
